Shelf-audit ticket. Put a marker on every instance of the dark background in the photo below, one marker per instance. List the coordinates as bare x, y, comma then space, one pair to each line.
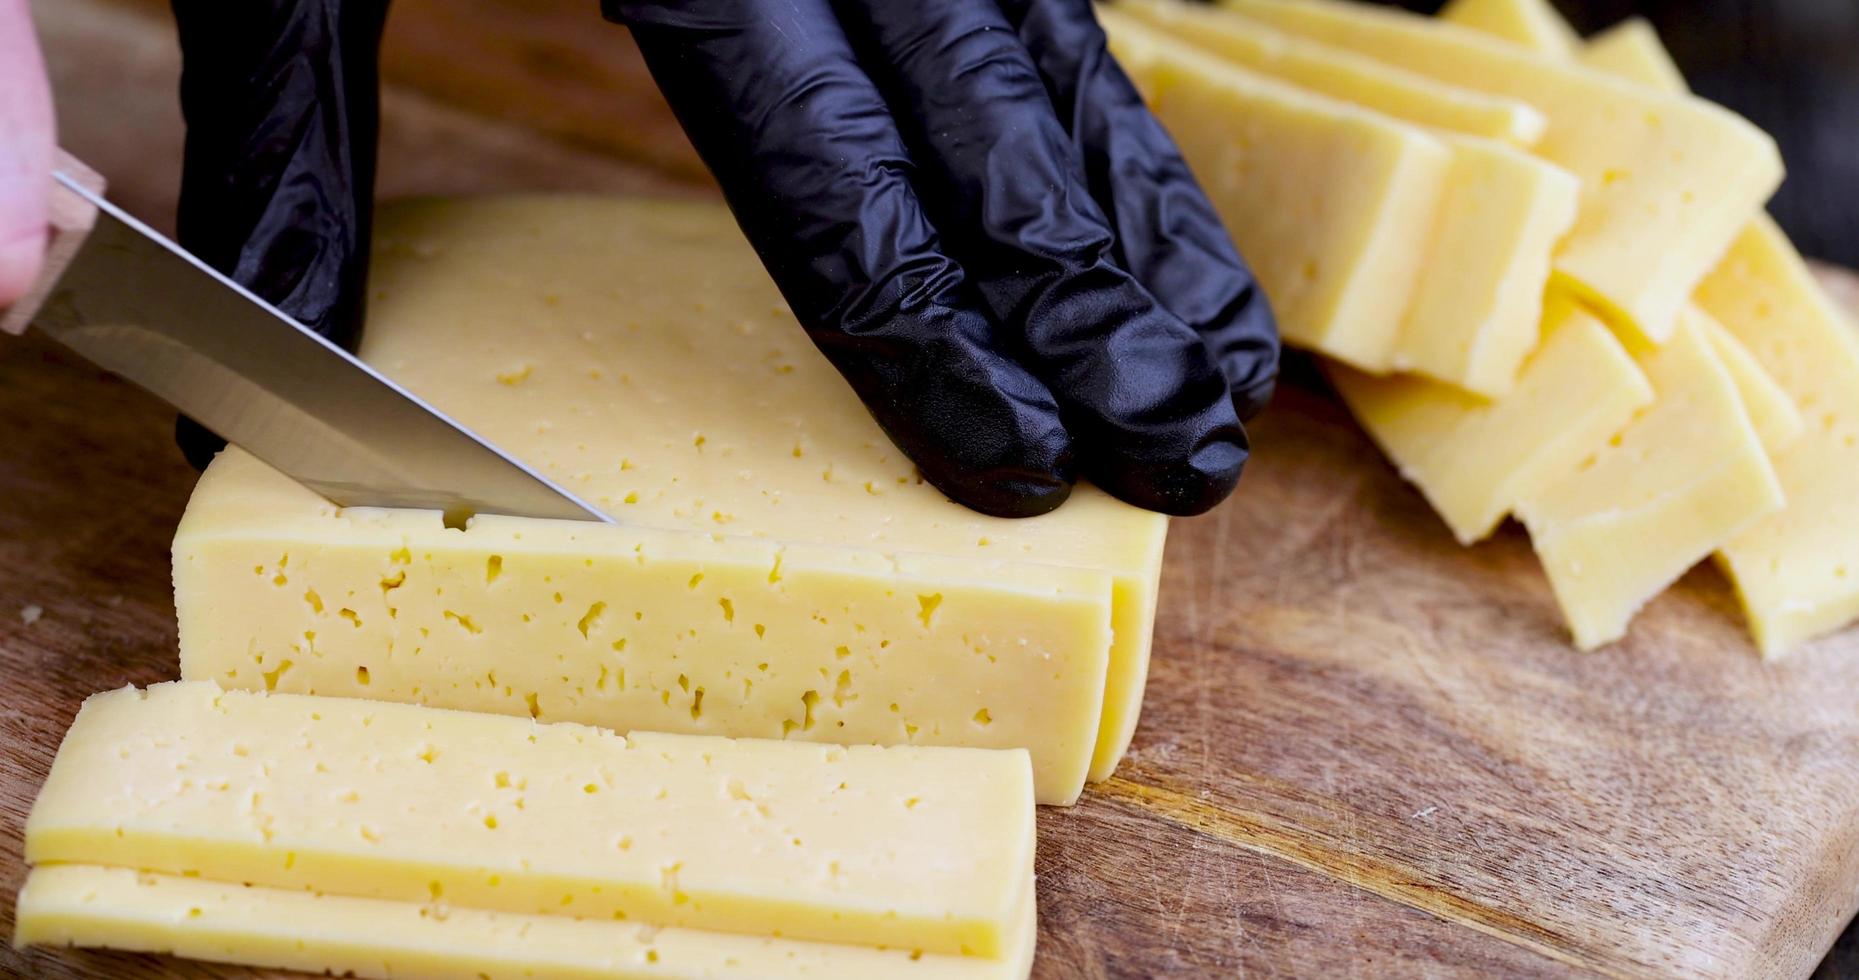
1791, 67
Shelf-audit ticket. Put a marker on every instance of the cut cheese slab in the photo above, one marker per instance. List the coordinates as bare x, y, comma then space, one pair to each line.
1631, 49
780, 570
1478, 298
1797, 571
918, 848
1479, 306
1475, 458
1686, 476
1332, 205
1777, 420
1667, 180
1533, 24
118, 908
1344, 74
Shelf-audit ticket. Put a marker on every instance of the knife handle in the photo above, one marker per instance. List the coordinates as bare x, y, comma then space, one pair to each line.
71, 220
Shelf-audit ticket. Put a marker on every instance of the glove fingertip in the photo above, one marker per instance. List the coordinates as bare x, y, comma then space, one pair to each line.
1183, 488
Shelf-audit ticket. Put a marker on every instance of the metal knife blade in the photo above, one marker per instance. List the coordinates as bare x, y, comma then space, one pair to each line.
135, 303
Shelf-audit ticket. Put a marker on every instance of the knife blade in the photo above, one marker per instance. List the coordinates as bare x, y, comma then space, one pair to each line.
138, 305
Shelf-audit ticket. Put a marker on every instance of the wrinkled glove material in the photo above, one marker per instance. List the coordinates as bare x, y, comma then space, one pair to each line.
281, 101
968, 206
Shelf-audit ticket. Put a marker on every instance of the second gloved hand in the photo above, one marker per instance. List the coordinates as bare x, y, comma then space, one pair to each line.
979, 223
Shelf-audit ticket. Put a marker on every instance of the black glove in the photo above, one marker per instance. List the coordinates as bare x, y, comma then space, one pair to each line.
969, 208
280, 99
282, 108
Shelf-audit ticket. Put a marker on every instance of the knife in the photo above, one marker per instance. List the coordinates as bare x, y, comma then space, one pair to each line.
126, 298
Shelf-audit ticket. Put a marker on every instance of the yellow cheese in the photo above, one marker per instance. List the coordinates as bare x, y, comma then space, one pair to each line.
1343, 74
1631, 49
1478, 299
1797, 571
1331, 204
117, 908
1474, 458
1667, 180
918, 848
1685, 477
1533, 24
1777, 420
780, 570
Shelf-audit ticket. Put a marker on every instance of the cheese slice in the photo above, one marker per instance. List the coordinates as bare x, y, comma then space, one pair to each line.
273, 928
1777, 420
1479, 305
1667, 180
1331, 204
1473, 458
1533, 24
1631, 49
1478, 299
1687, 475
1796, 571
917, 848
779, 570
1343, 74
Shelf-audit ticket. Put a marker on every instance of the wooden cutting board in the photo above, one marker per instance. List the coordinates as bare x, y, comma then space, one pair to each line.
1365, 750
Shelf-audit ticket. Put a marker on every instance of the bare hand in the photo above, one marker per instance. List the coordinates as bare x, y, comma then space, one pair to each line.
26, 140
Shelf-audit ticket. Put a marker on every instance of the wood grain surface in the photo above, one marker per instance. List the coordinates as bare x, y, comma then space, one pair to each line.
1365, 750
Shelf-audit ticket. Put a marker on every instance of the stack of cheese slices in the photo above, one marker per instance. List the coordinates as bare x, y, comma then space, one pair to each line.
1542, 277
365, 838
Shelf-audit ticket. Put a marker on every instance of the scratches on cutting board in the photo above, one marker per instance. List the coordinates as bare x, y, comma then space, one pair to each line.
1301, 846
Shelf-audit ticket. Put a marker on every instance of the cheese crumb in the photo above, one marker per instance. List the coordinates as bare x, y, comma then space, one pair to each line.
31, 614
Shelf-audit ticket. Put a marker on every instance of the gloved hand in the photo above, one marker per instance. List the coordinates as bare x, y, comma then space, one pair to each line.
282, 108
968, 207
1017, 298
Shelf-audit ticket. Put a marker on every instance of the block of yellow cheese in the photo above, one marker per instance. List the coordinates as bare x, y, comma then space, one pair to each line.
1331, 204
1533, 24
1479, 306
274, 928
1475, 458
1667, 180
1631, 49
1478, 298
1777, 419
1796, 571
926, 848
1683, 478
779, 569
1343, 74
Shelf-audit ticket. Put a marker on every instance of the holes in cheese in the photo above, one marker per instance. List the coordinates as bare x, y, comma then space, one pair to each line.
1475, 458
1476, 302
1661, 495
654, 379
913, 848
1667, 180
